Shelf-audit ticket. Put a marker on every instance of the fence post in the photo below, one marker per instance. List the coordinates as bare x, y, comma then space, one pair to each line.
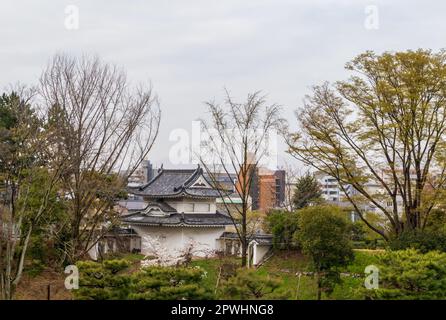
48, 292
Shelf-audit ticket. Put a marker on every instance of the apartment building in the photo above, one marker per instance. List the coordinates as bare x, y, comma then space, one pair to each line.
331, 191
268, 189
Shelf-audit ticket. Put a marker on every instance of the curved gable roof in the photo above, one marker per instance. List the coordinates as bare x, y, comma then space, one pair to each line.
174, 183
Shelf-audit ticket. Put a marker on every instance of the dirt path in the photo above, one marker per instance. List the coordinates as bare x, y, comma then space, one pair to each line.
36, 288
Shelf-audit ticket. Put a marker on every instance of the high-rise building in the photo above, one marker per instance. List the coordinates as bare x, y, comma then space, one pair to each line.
143, 174
267, 189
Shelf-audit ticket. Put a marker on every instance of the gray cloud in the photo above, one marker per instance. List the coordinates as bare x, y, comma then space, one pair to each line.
190, 50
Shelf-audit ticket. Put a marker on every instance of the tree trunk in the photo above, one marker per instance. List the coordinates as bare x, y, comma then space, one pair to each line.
319, 288
244, 253
244, 238
21, 261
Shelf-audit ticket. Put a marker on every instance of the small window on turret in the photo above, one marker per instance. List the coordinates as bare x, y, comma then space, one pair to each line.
202, 207
197, 207
188, 207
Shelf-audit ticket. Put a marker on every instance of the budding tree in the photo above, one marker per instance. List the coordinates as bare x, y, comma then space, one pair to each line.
381, 132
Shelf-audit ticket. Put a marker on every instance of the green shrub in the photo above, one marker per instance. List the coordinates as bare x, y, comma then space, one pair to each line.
436, 221
423, 241
357, 231
248, 284
283, 225
371, 244
324, 237
169, 283
410, 274
111, 280
103, 281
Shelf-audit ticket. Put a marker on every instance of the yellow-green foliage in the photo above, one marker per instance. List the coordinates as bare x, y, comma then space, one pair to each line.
382, 124
323, 236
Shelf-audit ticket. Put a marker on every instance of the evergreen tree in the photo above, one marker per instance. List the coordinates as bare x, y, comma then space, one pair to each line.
307, 192
324, 237
410, 275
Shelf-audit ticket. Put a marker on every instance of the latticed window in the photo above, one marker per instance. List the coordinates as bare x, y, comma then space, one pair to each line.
197, 207
188, 207
202, 207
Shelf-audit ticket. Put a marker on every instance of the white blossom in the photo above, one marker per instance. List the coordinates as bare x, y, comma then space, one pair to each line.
159, 255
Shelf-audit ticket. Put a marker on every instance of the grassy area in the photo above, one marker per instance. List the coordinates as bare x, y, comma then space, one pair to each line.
211, 267
131, 257
363, 258
285, 265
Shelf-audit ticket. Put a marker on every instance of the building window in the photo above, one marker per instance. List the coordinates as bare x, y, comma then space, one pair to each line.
202, 207
188, 207
197, 207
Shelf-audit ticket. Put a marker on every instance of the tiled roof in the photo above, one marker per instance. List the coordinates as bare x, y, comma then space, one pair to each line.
121, 232
133, 205
179, 219
162, 205
260, 238
176, 183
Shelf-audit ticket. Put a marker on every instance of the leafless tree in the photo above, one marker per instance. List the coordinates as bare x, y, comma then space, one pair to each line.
238, 138
291, 176
105, 129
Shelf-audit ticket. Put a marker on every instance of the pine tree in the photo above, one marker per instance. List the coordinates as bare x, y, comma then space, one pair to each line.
307, 192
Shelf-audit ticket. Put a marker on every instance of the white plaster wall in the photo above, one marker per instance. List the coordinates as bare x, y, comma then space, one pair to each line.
174, 239
179, 205
93, 252
259, 252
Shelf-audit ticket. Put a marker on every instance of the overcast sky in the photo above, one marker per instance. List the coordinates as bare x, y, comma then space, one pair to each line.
190, 50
